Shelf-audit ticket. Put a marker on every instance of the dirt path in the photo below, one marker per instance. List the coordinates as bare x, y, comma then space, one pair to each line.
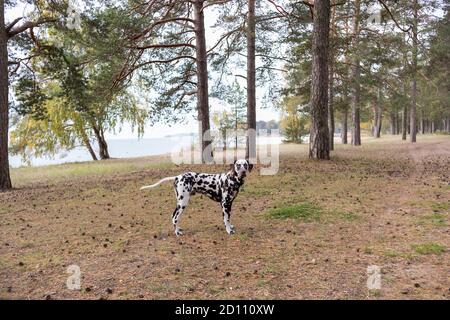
384, 204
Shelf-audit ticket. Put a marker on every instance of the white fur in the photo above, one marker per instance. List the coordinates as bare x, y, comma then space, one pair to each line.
158, 183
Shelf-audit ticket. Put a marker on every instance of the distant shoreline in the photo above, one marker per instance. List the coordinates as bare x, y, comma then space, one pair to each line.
123, 148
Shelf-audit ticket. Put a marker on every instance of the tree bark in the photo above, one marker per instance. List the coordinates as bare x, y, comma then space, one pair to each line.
250, 152
319, 142
102, 145
5, 179
422, 123
356, 72
404, 122
202, 84
413, 124
393, 122
88, 146
344, 132
397, 123
331, 125
379, 113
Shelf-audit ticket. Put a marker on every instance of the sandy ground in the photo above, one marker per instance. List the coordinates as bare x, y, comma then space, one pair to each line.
386, 203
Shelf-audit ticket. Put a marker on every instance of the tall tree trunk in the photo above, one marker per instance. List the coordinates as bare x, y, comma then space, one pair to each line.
344, 132
5, 179
202, 84
408, 120
379, 124
404, 122
87, 144
356, 72
102, 145
331, 124
397, 123
413, 124
250, 152
375, 117
393, 123
331, 75
319, 141
422, 123
379, 109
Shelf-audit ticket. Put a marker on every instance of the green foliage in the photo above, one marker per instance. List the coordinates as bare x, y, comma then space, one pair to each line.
34, 137
30, 98
294, 120
224, 123
231, 121
69, 99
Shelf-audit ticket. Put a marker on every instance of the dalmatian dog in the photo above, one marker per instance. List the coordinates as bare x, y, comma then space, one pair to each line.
222, 187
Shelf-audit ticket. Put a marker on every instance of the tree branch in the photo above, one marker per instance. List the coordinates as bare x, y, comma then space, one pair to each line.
163, 61
27, 25
12, 24
226, 35
392, 17
163, 21
215, 2
157, 46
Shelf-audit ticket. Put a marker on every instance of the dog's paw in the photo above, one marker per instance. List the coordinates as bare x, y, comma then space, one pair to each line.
230, 231
178, 232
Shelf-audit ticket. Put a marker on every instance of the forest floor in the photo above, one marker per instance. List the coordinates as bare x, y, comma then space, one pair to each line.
308, 232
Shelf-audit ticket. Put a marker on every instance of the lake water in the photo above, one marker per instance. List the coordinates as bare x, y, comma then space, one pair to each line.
125, 148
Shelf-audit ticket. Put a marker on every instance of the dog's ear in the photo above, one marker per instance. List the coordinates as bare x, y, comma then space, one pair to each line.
250, 165
233, 171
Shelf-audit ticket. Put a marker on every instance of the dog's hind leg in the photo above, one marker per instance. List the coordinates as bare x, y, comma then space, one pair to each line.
182, 202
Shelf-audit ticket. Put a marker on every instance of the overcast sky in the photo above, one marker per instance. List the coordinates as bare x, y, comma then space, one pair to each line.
190, 124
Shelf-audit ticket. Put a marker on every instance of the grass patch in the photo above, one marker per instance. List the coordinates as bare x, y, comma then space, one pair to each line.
392, 254
435, 206
441, 206
368, 250
395, 254
374, 293
436, 219
428, 248
305, 211
257, 191
350, 216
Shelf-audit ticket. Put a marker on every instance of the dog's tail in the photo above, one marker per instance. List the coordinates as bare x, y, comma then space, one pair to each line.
158, 183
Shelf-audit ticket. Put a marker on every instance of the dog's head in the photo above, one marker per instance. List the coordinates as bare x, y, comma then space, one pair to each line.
241, 167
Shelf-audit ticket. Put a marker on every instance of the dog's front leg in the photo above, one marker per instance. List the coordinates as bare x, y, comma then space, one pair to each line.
226, 209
